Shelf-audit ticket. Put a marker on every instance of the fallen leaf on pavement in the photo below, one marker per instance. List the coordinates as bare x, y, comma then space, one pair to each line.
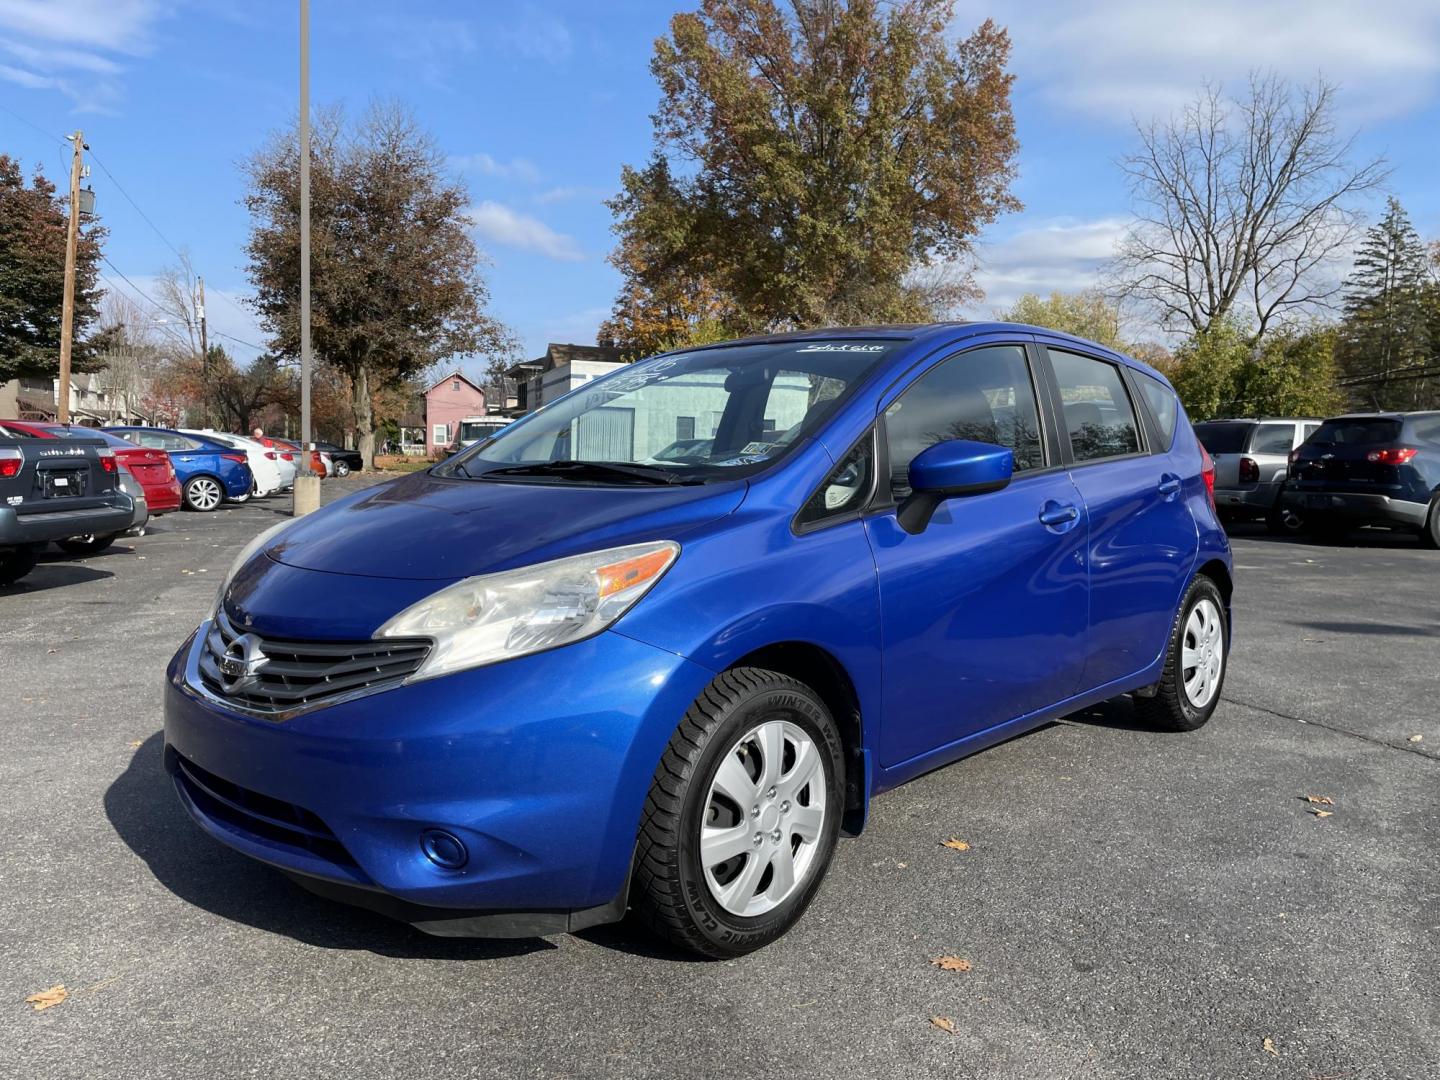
951, 963
1269, 1047
944, 1023
955, 845
1324, 800
1416, 738
46, 998
1322, 813
138, 742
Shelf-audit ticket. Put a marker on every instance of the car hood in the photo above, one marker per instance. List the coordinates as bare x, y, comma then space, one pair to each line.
434, 528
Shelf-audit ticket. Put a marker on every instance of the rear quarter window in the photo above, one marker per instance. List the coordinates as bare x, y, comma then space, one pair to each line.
1427, 428
1272, 439
1223, 437
1163, 406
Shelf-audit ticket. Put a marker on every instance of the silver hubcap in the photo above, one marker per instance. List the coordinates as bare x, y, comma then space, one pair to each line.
1202, 653
342, 469
763, 819
204, 494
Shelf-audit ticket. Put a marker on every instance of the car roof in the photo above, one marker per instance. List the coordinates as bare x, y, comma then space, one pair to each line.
924, 336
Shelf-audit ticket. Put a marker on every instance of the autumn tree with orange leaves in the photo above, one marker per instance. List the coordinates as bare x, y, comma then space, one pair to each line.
813, 163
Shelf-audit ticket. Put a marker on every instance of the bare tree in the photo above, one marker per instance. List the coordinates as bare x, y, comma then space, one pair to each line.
178, 291
1242, 206
133, 355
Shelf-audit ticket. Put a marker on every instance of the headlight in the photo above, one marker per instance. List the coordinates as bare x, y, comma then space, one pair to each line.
240, 560
499, 616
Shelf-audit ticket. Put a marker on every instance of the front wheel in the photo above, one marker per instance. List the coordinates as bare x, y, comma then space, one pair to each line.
743, 815
88, 544
342, 470
1189, 688
203, 493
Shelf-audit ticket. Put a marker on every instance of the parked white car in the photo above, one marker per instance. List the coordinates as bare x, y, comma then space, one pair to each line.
271, 472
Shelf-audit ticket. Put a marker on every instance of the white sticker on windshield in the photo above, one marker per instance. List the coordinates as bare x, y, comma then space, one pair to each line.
842, 347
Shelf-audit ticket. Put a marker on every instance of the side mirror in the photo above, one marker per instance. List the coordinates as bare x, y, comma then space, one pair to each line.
951, 469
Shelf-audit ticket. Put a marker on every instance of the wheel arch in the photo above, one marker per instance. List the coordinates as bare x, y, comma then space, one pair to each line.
822, 671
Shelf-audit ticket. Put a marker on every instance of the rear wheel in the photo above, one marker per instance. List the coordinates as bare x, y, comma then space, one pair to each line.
342, 469
1189, 689
203, 493
743, 815
88, 544
1284, 520
1430, 531
15, 563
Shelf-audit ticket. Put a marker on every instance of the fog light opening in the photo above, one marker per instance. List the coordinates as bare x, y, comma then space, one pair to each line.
443, 849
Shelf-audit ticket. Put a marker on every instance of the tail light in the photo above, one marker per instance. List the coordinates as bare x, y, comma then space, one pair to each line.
1249, 471
1207, 474
107, 459
239, 458
11, 458
288, 456
1400, 455
270, 455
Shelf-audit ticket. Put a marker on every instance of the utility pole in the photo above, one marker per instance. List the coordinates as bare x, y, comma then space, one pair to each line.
67, 308
204, 357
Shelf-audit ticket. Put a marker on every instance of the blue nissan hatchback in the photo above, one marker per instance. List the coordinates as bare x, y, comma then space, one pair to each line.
560, 676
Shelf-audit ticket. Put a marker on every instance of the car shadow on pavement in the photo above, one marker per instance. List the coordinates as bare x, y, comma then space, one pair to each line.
1355, 538
1117, 713
146, 814
54, 575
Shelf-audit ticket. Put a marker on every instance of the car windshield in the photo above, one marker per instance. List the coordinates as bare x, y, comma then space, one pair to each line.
1360, 431
680, 418
1223, 438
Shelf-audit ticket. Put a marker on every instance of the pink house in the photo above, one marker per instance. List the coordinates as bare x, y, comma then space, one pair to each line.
452, 399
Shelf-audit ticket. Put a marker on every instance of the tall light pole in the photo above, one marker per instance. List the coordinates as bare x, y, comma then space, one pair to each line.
307, 486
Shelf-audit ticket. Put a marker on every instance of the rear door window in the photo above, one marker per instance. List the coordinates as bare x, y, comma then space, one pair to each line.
1097, 410
1273, 439
1163, 406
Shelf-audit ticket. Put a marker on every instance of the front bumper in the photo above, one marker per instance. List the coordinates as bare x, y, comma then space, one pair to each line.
539, 765
1357, 506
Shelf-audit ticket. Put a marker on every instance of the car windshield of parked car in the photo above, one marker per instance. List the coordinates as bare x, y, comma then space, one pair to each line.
681, 418
1357, 431
1223, 437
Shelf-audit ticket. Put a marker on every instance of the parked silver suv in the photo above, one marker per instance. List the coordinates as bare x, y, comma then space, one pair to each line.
1252, 460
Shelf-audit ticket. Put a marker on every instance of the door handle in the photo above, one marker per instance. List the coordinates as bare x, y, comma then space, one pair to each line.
1055, 514
1169, 484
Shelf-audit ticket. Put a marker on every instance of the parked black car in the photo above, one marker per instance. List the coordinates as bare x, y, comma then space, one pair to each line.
54, 489
346, 461
1370, 469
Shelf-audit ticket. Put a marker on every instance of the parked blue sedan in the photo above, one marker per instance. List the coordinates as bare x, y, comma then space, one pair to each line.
209, 472
561, 674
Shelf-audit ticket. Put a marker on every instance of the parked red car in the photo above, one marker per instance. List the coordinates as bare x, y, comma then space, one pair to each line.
151, 467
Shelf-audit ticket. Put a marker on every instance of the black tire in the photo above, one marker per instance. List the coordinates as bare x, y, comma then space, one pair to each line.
669, 889
15, 563
1170, 709
1430, 531
1284, 520
342, 469
90, 545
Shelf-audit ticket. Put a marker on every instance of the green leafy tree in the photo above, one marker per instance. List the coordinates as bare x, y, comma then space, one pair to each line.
1388, 334
1088, 314
33, 224
395, 281
1223, 371
809, 158
1207, 368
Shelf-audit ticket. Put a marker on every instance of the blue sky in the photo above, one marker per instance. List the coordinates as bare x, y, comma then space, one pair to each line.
538, 104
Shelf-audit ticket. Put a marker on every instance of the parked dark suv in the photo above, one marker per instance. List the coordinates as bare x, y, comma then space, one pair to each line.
1370, 469
1252, 459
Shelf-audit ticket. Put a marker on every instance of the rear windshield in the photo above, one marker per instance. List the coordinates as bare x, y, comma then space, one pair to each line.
1356, 432
1228, 437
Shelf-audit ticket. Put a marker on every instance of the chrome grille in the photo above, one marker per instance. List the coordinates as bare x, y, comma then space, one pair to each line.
276, 677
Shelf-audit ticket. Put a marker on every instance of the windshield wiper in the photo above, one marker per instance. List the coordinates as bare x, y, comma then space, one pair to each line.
599, 470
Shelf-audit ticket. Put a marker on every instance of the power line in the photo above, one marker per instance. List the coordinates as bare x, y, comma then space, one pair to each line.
32, 126
132, 202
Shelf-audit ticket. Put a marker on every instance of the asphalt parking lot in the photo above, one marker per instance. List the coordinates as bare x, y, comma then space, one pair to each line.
1132, 904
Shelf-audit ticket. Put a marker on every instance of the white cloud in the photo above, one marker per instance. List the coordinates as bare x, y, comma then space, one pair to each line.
500, 224
1117, 58
1060, 254
70, 46
514, 169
